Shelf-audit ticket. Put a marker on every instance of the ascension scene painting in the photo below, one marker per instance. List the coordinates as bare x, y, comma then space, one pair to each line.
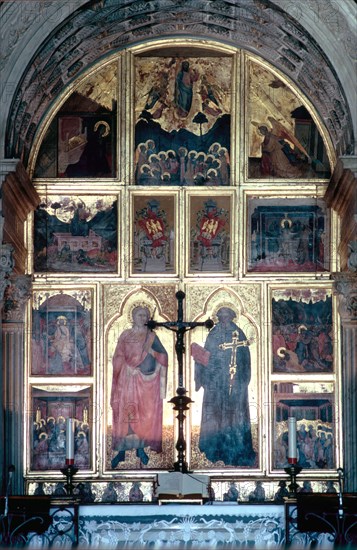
61, 340
76, 234
81, 140
224, 389
283, 140
312, 404
154, 234
288, 235
182, 120
51, 406
302, 331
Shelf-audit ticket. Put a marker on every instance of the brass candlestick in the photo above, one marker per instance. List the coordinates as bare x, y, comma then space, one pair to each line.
69, 471
293, 470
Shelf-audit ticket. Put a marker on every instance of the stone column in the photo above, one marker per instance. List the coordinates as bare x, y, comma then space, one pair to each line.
346, 287
18, 198
6, 268
16, 297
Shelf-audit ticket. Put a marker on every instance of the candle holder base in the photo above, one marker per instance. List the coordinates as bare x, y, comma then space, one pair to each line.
293, 470
69, 471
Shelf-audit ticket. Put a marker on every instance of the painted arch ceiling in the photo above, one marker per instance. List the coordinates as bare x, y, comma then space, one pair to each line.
102, 27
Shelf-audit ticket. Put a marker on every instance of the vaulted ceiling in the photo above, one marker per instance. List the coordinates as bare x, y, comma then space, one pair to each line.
78, 35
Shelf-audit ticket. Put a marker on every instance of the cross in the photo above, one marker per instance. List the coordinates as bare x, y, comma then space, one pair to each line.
181, 400
236, 343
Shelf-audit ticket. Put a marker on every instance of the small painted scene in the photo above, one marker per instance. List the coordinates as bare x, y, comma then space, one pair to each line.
182, 120
210, 234
154, 234
61, 342
81, 140
302, 331
283, 139
288, 235
224, 388
51, 406
139, 384
312, 404
76, 234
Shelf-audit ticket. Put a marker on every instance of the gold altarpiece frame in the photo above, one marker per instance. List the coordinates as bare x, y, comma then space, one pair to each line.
141, 274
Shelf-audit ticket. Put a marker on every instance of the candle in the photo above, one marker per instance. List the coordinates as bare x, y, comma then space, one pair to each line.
70, 441
292, 450
38, 415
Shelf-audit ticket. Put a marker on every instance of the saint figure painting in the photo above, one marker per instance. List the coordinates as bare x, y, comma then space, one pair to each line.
223, 369
138, 388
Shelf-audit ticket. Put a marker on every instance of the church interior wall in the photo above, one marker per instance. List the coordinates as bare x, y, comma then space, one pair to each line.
266, 247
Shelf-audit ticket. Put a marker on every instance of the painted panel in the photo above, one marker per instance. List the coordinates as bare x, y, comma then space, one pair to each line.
76, 234
302, 331
284, 142
154, 238
209, 237
61, 342
288, 235
182, 120
312, 404
51, 406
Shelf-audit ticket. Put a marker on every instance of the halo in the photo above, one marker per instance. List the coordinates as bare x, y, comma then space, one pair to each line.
43, 435
62, 318
285, 219
225, 305
152, 156
213, 144
106, 126
143, 306
144, 166
51, 418
301, 327
281, 352
60, 417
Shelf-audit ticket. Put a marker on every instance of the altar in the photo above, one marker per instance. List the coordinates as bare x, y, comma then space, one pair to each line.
177, 525
67, 522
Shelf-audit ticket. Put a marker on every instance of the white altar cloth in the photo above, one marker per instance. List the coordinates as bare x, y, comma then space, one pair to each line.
191, 526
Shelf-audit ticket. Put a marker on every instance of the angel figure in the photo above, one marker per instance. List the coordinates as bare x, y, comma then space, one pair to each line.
278, 158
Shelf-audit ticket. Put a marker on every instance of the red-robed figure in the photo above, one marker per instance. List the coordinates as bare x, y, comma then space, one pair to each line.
138, 389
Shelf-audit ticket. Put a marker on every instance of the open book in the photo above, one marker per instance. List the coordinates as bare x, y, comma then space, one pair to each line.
180, 485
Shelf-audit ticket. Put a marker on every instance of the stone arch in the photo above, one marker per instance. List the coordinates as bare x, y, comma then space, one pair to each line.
100, 28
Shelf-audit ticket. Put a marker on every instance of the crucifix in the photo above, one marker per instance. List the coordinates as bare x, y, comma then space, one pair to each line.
236, 343
180, 401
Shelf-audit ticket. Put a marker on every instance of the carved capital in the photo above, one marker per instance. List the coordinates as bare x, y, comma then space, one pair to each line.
7, 166
346, 287
6, 267
16, 297
350, 162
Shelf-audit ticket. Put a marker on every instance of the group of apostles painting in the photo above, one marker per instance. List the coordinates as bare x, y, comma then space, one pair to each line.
49, 432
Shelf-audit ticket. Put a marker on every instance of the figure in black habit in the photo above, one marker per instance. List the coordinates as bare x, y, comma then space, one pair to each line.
223, 369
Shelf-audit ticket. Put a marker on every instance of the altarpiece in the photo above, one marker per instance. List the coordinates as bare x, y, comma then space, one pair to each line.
204, 172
